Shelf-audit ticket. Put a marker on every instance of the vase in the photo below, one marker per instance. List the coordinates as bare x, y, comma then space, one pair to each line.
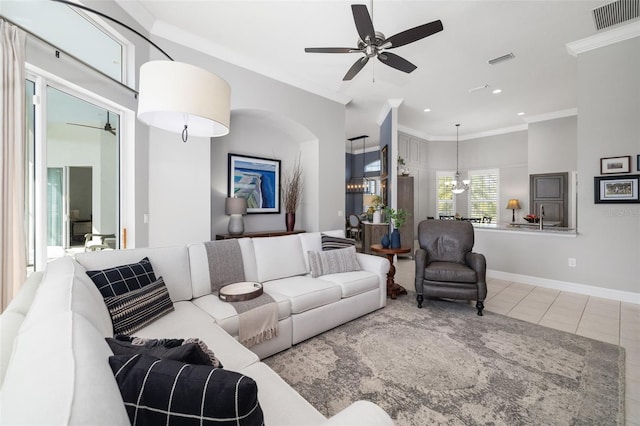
290, 220
395, 239
385, 241
377, 216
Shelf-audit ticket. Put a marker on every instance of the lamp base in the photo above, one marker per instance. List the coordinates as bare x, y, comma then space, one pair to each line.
236, 224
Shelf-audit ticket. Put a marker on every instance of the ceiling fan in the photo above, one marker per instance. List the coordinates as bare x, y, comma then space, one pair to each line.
373, 43
107, 127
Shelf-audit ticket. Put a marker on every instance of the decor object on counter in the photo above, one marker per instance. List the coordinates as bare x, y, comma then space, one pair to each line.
614, 165
255, 179
458, 186
178, 97
386, 242
377, 216
514, 205
397, 218
235, 208
292, 193
532, 218
616, 189
402, 169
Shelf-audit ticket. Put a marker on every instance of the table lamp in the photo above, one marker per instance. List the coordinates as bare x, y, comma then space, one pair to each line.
235, 208
514, 205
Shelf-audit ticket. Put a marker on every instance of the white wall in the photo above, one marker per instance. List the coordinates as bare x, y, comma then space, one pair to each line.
191, 168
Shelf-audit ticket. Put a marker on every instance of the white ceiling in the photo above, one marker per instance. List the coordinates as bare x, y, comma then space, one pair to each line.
269, 37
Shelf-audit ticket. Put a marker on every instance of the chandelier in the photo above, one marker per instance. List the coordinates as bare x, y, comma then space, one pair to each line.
458, 186
358, 184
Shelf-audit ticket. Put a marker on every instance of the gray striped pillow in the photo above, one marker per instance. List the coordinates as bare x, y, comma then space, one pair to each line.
333, 261
134, 310
334, 243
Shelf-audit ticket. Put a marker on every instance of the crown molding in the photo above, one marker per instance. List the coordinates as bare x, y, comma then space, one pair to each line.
552, 115
606, 38
468, 136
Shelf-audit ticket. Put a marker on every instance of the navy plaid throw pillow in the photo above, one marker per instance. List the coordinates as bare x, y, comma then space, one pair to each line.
124, 278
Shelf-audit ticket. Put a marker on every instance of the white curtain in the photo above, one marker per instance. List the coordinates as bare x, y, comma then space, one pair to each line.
13, 263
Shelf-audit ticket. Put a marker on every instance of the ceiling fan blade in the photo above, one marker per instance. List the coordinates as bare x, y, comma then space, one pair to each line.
355, 68
414, 34
331, 49
363, 22
86, 125
395, 61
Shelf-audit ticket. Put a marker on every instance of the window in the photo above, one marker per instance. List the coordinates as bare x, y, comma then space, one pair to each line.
483, 194
372, 167
446, 199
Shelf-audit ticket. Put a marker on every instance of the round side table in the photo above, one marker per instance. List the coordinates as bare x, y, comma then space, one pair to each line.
393, 289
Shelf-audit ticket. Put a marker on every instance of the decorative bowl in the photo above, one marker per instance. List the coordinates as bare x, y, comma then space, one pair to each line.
532, 219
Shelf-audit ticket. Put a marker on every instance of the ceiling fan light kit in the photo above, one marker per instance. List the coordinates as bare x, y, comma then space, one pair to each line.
373, 43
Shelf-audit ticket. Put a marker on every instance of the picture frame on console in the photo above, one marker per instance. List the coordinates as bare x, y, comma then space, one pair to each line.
618, 189
615, 165
256, 179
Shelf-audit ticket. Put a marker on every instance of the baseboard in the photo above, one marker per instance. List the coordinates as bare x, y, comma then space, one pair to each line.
605, 293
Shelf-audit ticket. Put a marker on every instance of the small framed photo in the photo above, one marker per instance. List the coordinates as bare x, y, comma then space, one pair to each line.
257, 180
619, 189
614, 165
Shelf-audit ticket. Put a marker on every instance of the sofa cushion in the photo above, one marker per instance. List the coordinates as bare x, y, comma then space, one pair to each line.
278, 257
192, 351
304, 292
66, 287
356, 282
162, 391
449, 271
187, 320
123, 278
333, 261
59, 374
171, 263
134, 310
226, 316
333, 243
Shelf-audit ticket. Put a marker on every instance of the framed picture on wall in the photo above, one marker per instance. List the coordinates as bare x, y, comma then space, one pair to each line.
614, 165
384, 161
638, 163
383, 191
256, 179
618, 189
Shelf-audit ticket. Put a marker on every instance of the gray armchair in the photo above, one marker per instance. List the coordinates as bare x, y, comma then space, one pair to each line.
445, 265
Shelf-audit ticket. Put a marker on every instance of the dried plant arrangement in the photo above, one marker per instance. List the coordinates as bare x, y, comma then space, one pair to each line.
292, 187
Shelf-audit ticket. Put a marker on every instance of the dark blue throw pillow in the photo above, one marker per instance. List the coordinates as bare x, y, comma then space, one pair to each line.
166, 392
124, 278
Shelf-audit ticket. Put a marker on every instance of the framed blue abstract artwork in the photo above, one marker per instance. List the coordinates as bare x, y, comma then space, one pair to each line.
257, 180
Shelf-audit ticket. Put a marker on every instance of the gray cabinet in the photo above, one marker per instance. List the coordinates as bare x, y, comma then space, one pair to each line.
372, 233
405, 201
550, 190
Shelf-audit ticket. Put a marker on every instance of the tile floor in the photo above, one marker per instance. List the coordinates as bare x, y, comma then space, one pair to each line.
601, 319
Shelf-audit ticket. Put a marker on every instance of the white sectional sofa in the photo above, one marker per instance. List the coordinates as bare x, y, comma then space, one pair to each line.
55, 369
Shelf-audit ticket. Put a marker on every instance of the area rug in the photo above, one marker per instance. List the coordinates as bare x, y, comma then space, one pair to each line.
443, 364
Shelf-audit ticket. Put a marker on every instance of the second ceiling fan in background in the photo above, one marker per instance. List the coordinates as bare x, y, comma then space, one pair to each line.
373, 43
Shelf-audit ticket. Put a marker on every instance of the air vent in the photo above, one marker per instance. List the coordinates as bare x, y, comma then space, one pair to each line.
615, 13
501, 58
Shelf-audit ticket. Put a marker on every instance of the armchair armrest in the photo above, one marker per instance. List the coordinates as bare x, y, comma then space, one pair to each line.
478, 263
363, 413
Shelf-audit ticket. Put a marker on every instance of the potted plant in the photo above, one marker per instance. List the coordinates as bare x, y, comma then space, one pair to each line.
398, 219
401, 167
376, 205
292, 193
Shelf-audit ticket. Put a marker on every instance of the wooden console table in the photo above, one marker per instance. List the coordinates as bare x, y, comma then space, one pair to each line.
260, 234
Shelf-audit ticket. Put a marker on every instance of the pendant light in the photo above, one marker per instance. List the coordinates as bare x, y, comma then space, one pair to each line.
360, 184
458, 186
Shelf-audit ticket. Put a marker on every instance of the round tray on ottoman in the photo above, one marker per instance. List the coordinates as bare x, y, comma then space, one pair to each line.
238, 292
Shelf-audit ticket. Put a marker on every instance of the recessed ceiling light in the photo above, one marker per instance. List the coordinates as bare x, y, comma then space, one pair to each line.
427, 110
521, 113
495, 92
